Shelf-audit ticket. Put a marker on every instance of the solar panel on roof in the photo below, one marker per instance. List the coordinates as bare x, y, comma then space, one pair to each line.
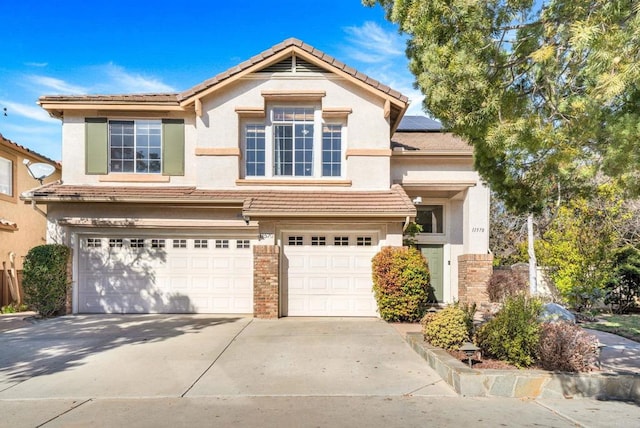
419, 123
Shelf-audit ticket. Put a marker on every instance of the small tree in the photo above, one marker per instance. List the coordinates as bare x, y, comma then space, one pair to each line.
45, 279
401, 283
623, 288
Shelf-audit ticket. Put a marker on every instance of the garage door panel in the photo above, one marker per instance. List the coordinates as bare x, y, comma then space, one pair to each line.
175, 278
329, 280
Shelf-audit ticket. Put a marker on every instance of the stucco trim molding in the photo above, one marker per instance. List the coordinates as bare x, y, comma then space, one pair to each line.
301, 182
134, 178
218, 151
369, 152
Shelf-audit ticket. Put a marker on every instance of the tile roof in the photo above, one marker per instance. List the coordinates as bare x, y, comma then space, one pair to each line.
286, 44
265, 203
426, 142
168, 99
10, 144
346, 203
175, 99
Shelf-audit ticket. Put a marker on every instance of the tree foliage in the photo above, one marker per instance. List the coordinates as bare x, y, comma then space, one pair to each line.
578, 245
546, 92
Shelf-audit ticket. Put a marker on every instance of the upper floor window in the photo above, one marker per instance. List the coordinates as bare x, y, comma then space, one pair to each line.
135, 146
293, 143
6, 177
331, 150
430, 217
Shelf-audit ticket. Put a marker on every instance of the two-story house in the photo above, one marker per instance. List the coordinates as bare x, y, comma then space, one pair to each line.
21, 225
266, 189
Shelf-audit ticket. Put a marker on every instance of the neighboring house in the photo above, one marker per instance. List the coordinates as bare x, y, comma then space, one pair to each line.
22, 226
266, 189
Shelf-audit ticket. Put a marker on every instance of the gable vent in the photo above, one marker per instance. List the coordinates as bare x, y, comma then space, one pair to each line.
293, 64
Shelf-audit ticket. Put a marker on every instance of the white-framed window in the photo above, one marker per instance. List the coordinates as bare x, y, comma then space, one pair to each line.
115, 243
341, 241
293, 142
243, 244
255, 155
179, 243
158, 243
200, 243
318, 241
295, 240
431, 218
135, 146
364, 241
332, 150
94, 242
136, 243
222, 243
6, 177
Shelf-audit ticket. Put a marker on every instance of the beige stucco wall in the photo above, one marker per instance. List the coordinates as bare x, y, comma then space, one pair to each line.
31, 222
73, 151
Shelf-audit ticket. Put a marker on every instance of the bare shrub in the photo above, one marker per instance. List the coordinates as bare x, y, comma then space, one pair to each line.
566, 347
505, 283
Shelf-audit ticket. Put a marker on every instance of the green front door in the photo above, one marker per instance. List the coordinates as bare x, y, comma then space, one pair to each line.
435, 257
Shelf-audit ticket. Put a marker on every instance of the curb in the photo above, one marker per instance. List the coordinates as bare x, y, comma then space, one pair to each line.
525, 383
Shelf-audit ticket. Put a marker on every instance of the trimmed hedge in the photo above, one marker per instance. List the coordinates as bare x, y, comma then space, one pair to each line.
448, 328
514, 333
45, 279
401, 283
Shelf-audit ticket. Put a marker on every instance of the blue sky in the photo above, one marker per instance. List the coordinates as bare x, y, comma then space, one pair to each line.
114, 47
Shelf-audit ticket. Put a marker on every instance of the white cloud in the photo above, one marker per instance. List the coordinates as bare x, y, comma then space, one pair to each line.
381, 54
372, 44
58, 85
31, 112
36, 64
121, 81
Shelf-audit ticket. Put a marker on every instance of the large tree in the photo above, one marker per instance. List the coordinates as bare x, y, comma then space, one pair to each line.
545, 91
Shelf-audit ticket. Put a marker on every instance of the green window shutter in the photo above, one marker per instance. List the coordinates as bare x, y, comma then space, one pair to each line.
173, 147
96, 149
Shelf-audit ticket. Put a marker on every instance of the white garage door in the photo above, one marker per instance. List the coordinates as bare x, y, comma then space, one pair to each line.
155, 274
329, 275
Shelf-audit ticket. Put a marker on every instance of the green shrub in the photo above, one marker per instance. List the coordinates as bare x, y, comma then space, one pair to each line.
564, 346
448, 328
514, 333
401, 283
45, 279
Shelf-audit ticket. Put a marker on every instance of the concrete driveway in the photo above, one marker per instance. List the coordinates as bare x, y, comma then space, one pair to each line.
106, 356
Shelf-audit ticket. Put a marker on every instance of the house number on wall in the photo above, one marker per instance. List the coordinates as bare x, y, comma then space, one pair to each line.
266, 236
477, 229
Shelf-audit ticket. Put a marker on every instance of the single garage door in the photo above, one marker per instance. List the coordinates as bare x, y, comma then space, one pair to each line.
329, 275
156, 274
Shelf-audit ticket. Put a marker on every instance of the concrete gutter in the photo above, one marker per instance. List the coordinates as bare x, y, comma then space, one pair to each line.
525, 383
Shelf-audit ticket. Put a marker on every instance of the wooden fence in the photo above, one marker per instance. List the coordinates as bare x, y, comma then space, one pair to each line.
6, 296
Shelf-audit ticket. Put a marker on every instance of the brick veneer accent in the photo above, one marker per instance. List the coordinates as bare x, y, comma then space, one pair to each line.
266, 281
474, 272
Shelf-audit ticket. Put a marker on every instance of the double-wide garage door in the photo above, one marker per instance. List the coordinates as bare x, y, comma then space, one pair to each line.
159, 274
329, 274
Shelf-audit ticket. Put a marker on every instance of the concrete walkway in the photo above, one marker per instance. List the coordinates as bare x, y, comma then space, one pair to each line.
195, 370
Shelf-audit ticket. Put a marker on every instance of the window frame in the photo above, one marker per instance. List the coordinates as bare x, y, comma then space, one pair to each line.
270, 124
12, 160
443, 224
138, 124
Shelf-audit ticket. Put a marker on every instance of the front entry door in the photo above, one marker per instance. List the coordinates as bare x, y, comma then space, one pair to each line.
435, 257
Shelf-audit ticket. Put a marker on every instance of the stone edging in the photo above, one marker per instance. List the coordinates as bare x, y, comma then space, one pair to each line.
525, 383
